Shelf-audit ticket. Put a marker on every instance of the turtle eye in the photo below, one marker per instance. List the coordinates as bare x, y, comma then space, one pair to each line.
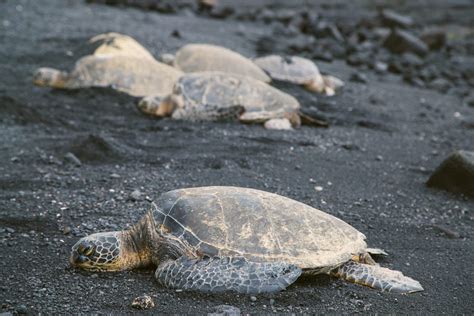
88, 250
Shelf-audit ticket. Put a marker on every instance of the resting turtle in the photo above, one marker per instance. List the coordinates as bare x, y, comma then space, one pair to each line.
216, 239
206, 57
300, 71
217, 96
133, 75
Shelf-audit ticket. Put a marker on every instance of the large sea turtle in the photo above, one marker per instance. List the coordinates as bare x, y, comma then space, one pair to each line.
207, 57
218, 95
133, 75
216, 239
300, 71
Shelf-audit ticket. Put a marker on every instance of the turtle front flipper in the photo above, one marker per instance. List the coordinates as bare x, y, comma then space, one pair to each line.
377, 277
235, 274
209, 113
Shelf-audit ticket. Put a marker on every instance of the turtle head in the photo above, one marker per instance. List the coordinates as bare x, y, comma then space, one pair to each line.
99, 252
115, 251
49, 77
159, 106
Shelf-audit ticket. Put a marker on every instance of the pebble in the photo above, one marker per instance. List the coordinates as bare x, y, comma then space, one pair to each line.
70, 157
434, 38
391, 18
253, 298
224, 310
440, 84
469, 101
359, 77
136, 195
21, 309
380, 67
67, 230
143, 302
448, 232
400, 41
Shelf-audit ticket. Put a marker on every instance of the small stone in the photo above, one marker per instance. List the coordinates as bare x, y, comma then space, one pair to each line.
143, 302
10, 230
115, 176
67, 230
176, 34
136, 195
469, 101
253, 298
440, 84
15, 159
359, 77
70, 157
380, 67
448, 232
224, 310
379, 158
391, 18
318, 188
22, 310
455, 173
434, 38
411, 60
324, 29
401, 41
272, 302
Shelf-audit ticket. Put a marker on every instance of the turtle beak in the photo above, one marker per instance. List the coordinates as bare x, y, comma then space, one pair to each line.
81, 252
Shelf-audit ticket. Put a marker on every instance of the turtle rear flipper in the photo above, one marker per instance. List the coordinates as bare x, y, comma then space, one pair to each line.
235, 274
312, 117
377, 277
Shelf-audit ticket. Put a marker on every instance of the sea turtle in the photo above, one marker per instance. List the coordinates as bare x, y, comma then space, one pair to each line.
136, 76
218, 95
207, 57
300, 71
216, 239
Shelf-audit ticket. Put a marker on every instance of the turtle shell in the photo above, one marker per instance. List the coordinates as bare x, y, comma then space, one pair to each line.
113, 44
206, 57
216, 90
258, 225
293, 69
135, 76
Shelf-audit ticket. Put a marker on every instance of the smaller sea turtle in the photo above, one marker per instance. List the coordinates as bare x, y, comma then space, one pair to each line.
216, 239
206, 57
136, 76
300, 71
217, 96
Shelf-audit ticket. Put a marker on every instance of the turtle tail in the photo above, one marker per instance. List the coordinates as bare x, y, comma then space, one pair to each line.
376, 277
